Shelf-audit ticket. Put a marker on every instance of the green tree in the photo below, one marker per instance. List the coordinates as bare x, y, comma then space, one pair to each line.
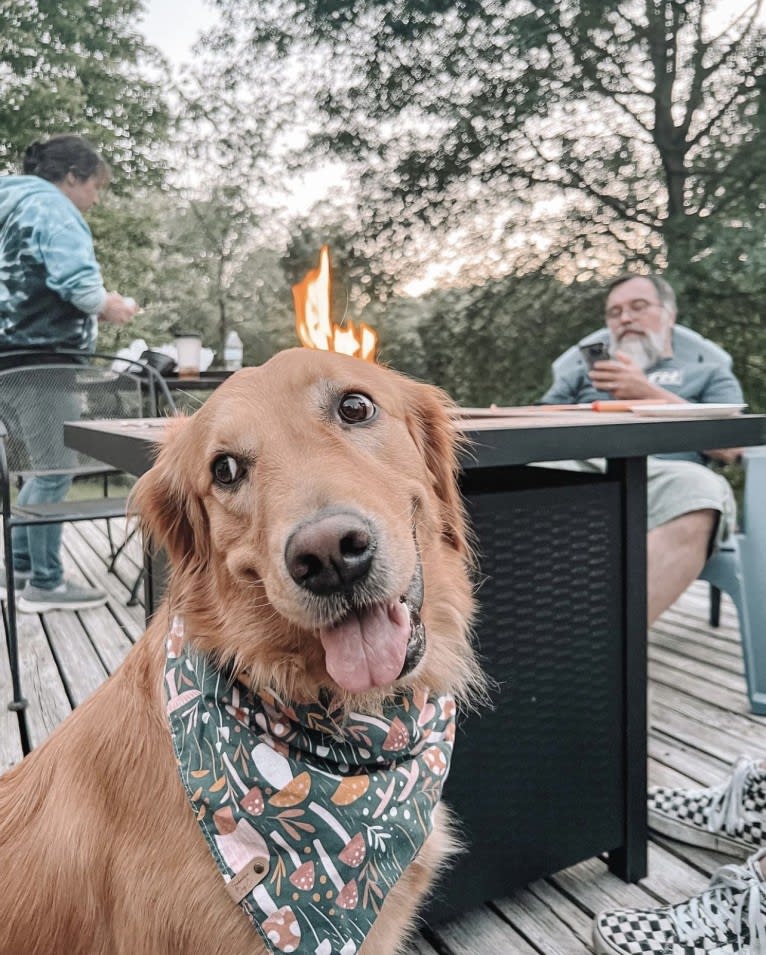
554, 144
191, 256
494, 343
77, 66
126, 233
222, 226
639, 123
204, 268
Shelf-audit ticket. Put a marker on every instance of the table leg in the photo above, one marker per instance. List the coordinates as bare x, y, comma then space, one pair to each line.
630, 860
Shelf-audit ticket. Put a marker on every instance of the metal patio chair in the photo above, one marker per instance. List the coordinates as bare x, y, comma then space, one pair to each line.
36, 397
739, 566
738, 569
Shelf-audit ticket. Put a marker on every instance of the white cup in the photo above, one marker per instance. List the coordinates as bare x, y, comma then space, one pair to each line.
188, 351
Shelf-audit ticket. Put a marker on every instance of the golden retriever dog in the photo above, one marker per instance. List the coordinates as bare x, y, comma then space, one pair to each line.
263, 772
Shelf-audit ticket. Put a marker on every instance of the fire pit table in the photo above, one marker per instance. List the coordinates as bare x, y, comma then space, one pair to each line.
554, 771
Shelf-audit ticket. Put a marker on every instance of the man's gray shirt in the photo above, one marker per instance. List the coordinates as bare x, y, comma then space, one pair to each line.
701, 382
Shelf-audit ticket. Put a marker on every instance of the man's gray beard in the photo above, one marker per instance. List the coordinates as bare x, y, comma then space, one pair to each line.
645, 350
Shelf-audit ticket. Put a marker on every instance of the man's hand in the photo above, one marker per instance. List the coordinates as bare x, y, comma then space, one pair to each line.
117, 310
624, 379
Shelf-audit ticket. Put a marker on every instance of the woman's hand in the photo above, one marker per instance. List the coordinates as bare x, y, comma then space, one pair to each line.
117, 310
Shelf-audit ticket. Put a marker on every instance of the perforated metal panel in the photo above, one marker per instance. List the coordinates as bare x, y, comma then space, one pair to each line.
36, 400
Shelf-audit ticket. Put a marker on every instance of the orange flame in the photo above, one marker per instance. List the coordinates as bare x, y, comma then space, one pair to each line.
313, 322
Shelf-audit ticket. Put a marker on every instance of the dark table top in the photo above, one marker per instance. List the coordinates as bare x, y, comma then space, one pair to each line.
130, 444
552, 436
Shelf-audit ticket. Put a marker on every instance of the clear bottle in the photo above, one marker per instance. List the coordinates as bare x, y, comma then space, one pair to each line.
232, 352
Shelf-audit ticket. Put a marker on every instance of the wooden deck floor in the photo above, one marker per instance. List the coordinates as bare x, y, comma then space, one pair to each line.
699, 723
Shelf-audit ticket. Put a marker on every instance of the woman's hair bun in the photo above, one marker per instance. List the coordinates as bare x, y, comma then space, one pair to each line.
32, 155
60, 155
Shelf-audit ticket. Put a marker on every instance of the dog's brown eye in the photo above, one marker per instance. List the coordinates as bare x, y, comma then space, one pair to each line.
355, 408
227, 470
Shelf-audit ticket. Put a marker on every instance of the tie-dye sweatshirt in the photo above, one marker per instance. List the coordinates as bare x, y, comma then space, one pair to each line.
51, 288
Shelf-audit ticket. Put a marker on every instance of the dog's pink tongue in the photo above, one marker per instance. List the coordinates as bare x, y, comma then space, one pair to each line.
367, 650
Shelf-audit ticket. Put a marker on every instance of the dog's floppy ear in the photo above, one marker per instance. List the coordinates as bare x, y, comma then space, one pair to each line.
431, 424
166, 502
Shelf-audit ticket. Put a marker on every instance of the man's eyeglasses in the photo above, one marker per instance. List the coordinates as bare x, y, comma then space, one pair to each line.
637, 307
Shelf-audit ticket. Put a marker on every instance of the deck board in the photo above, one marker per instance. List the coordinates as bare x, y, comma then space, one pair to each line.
698, 714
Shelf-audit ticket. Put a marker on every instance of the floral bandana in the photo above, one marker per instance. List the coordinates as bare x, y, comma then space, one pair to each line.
310, 815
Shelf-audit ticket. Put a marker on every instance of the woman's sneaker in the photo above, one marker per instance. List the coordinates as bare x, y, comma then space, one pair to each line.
67, 596
728, 918
729, 817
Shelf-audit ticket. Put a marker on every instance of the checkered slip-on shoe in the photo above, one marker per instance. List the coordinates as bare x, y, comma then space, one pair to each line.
728, 918
730, 817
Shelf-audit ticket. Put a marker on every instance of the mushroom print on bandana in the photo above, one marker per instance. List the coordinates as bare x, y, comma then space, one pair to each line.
311, 815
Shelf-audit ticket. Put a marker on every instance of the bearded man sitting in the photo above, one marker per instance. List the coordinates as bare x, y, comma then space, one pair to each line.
691, 508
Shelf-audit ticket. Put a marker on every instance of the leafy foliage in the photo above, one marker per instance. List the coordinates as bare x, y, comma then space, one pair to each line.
637, 117
76, 66
530, 149
496, 342
519, 151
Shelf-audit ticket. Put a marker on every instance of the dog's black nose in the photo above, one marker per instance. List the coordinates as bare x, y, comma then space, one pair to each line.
331, 553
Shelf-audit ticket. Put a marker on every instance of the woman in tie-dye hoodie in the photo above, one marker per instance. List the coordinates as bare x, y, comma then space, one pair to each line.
51, 290
51, 299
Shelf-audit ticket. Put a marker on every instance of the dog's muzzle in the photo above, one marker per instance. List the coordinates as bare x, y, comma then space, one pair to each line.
374, 645
369, 639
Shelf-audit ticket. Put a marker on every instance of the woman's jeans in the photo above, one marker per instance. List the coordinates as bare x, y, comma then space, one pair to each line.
41, 411
38, 548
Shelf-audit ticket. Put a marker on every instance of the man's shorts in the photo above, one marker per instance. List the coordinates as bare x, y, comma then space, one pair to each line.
674, 488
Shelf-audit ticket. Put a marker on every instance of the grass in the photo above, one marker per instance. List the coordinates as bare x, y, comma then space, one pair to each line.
86, 488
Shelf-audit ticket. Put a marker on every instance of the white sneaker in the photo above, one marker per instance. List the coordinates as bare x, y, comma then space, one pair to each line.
729, 817
67, 596
728, 918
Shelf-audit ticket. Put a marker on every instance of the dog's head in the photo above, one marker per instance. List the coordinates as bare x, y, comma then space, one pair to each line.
315, 530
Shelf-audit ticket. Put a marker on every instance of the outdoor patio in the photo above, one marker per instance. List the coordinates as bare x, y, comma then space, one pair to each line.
699, 723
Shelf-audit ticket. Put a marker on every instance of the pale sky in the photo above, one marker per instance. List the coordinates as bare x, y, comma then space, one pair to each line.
174, 25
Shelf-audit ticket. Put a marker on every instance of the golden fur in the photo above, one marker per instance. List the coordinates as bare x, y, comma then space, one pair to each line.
99, 851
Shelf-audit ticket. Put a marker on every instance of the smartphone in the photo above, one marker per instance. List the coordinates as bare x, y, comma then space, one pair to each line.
597, 351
